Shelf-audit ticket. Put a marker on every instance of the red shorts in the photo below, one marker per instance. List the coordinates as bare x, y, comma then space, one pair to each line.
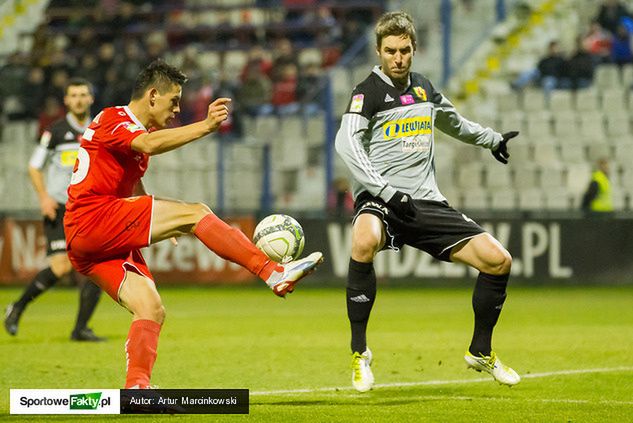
110, 246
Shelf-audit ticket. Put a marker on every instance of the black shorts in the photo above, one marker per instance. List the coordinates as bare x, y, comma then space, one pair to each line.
436, 229
54, 231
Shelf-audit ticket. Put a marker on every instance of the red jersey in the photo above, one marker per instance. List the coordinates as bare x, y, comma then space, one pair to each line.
106, 166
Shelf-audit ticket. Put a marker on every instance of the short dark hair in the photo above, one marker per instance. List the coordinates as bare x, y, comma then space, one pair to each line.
78, 82
395, 23
159, 75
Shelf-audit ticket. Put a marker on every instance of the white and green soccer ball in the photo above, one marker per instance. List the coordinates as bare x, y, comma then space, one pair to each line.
280, 237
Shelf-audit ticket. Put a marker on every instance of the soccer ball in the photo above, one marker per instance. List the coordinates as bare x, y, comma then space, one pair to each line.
280, 237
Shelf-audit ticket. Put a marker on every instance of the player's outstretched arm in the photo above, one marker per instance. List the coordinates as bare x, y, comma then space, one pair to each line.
165, 140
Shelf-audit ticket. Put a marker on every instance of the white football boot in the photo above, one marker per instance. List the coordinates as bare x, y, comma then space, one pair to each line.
362, 377
283, 282
491, 364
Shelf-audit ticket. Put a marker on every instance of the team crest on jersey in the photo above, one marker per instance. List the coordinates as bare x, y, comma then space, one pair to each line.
357, 103
420, 92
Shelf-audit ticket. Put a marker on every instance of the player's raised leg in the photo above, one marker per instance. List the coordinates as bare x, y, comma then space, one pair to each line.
368, 237
175, 218
139, 295
493, 261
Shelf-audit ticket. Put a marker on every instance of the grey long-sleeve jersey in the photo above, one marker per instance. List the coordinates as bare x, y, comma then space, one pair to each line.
386, 137
57, 151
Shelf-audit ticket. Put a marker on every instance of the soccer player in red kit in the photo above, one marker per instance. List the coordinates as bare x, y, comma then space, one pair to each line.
110, 217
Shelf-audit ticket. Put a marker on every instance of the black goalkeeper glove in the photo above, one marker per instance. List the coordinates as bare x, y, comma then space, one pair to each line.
501, 153
402, 205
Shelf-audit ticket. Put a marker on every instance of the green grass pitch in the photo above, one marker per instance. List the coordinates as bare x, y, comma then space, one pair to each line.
573, 346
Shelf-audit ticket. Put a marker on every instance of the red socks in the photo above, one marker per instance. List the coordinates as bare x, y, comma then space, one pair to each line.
140, 352
231, 244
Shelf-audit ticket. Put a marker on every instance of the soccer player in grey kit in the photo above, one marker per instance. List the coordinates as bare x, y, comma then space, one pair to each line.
386, 141
57, 152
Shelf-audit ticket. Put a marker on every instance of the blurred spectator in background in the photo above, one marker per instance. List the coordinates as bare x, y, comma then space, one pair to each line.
597, 42
621, 49
549, 71
284, 95
580, 67
610, 14
283, 54
53, 111
33, 92
257, 55
597, 199
340, 201
254, 94
310, 89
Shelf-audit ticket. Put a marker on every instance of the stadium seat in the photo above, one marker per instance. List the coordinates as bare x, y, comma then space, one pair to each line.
309, 56
546, 154
525, 176
503, 199
498, 176
508, 101
623, 153
539, 126
618, 126
572, 152
619, 198
521, 152
587, 100
607, 76
531, 199
566, 125
552, 177
533, 100
315, 130
598, 150
557, 199
267, 128
470, 175
627, 76
613, 100
512, 120
560, 100
592, 125
578, 176
475, 199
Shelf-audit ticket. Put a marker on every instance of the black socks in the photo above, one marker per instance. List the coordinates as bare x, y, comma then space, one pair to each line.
488, 298
42, 281
88, 299
361, 293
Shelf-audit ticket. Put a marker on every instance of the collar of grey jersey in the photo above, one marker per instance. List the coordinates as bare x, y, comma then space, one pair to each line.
134, 118
388, 80
74, 123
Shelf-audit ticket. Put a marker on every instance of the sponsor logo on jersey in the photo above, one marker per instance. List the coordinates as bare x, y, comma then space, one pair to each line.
132, 127
68, 158
406, 99
407, 127
357, 103
420, 92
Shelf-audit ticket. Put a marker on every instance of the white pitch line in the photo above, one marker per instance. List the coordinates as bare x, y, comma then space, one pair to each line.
445, 382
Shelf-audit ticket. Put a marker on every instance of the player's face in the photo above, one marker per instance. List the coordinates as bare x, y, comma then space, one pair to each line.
78, 99
396, 53
166, 106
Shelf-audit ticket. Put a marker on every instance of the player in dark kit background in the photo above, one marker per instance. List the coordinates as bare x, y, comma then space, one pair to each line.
57, 152
386, 139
